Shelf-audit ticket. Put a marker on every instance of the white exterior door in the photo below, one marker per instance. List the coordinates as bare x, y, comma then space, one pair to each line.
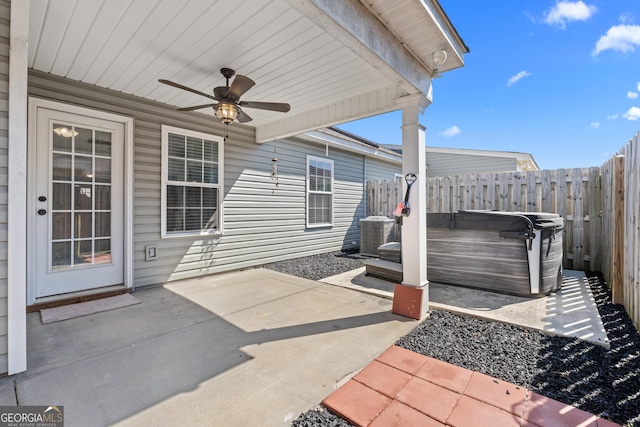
78, 205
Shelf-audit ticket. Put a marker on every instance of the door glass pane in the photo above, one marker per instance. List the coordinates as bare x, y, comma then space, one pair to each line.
61, 254
83, 168
103, 143
62, 135
103, 197
103, 224
82, 253
61, 167
84, 141
103, 170
83, 226
61, 225
102, 251
83, 197
61, 196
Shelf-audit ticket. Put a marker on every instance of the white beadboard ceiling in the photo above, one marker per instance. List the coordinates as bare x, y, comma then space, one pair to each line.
333, 61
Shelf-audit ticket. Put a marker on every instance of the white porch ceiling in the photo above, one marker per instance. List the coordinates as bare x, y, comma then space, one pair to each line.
333, 61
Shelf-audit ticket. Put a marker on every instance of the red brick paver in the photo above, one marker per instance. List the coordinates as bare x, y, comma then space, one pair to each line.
403, 388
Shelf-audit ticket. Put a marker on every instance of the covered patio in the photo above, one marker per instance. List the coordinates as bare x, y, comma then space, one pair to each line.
331, 61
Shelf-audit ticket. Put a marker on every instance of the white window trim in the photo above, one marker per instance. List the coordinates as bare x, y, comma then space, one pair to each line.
307, 192
164, 182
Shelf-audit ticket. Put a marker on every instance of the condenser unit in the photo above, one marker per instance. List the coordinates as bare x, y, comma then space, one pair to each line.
375, 231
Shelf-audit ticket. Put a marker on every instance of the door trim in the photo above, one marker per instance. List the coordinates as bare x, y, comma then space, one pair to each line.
128, 122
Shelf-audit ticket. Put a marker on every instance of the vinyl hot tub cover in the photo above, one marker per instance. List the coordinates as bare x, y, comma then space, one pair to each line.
517, 253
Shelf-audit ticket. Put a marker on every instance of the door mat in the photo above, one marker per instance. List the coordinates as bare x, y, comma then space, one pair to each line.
56, 314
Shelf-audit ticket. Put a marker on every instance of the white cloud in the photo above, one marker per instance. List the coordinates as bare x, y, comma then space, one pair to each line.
565, 11
638, 86
623, 38
595, 125
632, 95
452, 131
613, 117
633, 114
517, 77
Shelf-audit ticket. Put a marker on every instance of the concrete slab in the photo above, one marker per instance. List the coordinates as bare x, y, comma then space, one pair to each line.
569, 312
255, 347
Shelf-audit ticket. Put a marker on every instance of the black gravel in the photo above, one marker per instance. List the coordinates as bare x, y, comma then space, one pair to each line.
587, 376
318, 267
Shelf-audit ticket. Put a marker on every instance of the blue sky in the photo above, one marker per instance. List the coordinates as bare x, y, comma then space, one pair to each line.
557, 79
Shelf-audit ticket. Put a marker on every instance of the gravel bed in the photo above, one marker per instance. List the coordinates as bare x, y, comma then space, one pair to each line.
318, 267
587, 376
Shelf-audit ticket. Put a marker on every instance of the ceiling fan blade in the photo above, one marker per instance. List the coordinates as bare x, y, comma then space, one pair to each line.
273, 106
179, 86
240, 85
220, 92
197, 107
243, 117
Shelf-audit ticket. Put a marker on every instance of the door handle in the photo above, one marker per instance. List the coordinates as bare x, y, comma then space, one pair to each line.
42, 211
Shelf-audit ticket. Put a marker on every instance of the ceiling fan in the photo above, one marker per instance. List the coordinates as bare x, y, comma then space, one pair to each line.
228, 108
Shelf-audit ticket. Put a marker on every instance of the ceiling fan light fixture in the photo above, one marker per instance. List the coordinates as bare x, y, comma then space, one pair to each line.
65, 132
227, 113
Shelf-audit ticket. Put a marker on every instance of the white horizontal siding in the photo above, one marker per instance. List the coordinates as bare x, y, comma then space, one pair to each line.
440, 164
262, 223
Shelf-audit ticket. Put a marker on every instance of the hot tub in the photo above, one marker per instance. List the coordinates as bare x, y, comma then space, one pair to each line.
518, 253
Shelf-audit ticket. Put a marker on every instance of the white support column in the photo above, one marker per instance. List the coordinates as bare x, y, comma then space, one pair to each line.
17, 189
411, 298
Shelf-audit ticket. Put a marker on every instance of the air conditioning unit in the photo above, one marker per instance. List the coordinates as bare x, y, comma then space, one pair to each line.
375, 231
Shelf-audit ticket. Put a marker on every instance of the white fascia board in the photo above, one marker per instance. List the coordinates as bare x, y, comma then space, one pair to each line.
447, 30
352, 146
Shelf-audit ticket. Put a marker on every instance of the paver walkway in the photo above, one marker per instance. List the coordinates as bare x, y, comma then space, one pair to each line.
403, 388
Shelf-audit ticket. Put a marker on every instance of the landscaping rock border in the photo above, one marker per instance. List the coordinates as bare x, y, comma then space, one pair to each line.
584, 375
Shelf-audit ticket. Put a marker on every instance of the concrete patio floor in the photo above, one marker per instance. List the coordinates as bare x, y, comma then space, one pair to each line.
571, 311
249, 348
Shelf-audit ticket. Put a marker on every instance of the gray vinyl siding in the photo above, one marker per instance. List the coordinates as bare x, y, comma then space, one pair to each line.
262, 223
5, 18
377, 170
458, 164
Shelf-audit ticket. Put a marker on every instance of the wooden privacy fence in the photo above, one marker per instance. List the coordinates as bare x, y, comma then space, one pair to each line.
575, 194
621, 227
600, 207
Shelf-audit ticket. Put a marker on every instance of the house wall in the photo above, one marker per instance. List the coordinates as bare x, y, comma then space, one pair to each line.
5, 8
459, 164
377, 170
262, 223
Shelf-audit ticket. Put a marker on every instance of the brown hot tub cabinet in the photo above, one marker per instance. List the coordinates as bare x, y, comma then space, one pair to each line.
518, 253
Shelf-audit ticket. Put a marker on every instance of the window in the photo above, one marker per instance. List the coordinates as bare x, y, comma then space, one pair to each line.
192, 183
319, 192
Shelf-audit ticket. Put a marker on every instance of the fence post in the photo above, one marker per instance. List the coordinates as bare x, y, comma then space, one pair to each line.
617, 285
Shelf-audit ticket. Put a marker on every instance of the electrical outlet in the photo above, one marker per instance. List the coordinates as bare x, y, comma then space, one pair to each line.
150, 252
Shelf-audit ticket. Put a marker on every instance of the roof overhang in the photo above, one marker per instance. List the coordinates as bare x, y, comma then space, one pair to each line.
333, 61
